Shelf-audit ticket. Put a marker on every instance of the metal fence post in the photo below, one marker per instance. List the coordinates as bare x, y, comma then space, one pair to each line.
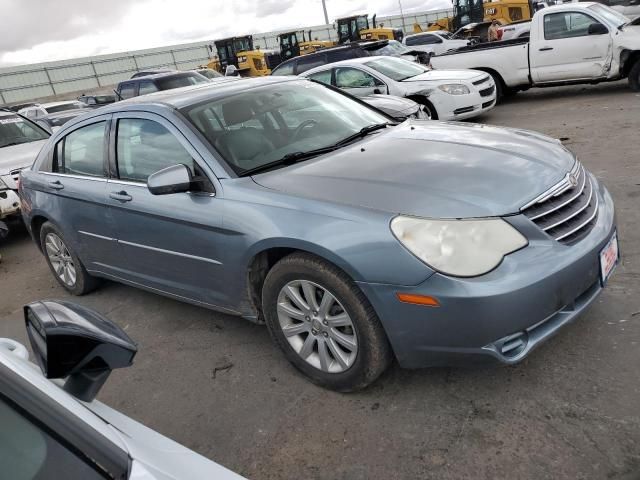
95, 73
46, 72
173, 57
2, 97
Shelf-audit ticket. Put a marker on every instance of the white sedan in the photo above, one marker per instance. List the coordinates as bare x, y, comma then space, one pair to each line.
435, 43
445, 94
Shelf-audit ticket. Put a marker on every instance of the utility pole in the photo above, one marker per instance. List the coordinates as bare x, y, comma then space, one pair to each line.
401, 13
326, 17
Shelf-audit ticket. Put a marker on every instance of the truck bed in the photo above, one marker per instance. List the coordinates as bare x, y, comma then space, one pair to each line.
487, 46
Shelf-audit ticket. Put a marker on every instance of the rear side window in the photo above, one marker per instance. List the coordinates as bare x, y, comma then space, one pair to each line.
128, 91
147, 87
146, 147
81, 152
309, 62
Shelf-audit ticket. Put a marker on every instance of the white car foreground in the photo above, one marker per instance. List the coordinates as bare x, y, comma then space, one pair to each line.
446, 94
56, 430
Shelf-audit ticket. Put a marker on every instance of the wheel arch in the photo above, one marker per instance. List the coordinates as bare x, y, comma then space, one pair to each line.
423, 100
35, 225
628, 59
265, 255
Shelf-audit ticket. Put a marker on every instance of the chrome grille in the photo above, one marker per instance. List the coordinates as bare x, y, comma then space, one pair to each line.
567, 211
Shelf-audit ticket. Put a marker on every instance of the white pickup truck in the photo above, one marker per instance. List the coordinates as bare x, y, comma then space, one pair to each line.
569, 44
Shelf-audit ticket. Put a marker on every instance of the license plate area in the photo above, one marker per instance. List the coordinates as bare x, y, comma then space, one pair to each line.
609, 256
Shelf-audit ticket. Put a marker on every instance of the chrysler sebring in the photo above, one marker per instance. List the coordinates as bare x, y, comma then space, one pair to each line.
355, 239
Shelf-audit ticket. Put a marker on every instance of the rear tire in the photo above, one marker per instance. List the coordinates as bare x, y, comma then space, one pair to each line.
634, 77
342, 347
64, 263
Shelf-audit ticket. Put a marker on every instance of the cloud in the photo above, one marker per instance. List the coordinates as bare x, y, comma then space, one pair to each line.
43, 30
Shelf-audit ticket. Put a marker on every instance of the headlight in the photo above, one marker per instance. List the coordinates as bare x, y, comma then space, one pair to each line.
455, 89
462, 248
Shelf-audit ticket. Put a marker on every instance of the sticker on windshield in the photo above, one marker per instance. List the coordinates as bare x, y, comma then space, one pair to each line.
5, 121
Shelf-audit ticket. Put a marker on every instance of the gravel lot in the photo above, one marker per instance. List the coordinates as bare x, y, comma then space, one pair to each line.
217, 385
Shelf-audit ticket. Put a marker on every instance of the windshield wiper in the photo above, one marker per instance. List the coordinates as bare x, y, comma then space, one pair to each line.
364, 132
288, 159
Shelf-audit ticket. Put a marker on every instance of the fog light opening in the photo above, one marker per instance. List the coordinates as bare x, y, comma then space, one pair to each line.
514, 345
423, 300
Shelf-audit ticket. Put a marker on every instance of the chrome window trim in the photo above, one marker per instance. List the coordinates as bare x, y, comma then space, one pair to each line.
79, 177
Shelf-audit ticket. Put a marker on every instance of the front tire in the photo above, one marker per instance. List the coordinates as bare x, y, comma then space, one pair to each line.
64, 263
324, 324
634, 77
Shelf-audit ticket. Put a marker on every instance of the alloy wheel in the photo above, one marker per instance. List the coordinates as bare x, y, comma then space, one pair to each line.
60, 259
317, 326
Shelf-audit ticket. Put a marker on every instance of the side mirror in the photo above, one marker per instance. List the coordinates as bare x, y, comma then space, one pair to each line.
73, 342
377, 91
231, 71
174, 179
598, 29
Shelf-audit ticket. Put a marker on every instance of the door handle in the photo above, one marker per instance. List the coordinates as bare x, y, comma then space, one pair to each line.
121, 196
57, 185
545, 49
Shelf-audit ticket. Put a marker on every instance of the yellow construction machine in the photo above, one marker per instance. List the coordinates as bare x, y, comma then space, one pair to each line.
356, 28
291, 46
240, 52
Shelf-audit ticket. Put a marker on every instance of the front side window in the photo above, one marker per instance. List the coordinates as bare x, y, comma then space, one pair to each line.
421, 40
145, 147
82, 152
147, 87
27, 452
396, 68
567, 25
353, 78
15, 130
284, 69
128, 91
309, 62
323, 77
264, 124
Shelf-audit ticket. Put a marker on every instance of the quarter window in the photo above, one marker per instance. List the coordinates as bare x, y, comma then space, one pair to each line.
82, 152
353, 78
567, 25
323, 77
145, 147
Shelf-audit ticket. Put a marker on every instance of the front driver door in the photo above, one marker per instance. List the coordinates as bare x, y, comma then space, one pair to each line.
358, 82
169, 242
568, 51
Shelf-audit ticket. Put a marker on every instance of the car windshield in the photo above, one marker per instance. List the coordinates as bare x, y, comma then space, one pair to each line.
263, 125
446, 35
392, 48
15, 130
396, 68
610, 15
64, 107
177, 81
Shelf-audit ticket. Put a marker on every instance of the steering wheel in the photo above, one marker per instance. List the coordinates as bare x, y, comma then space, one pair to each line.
302, 126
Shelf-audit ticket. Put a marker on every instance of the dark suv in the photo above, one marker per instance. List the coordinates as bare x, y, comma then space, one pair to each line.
154, 83
298, 65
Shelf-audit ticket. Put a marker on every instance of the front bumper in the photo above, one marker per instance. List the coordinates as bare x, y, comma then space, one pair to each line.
504, 314
9, 203
460, 107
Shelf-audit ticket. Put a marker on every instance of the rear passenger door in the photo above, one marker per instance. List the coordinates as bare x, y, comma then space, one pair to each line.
170, 242
74, 182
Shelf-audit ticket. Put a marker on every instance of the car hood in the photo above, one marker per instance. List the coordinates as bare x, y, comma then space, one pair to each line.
432, 169
19, 156
446, 75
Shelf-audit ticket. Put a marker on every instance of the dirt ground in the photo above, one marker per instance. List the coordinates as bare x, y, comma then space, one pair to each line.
217, 385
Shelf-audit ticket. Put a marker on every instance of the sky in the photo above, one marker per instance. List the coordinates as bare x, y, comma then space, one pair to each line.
44, 30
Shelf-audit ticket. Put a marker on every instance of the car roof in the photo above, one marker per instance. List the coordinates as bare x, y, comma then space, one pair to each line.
349, 61
178, 98
56, 104
432, 32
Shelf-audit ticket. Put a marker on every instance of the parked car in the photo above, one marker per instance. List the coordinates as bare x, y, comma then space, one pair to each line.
38, 111
393, 48
19, 106
144, 85
209, 73
289, 203
445, 94
298, 65
53, 121
570, 43
65, 431
399, 108
20, 142
96, 101
434, 43
146, 73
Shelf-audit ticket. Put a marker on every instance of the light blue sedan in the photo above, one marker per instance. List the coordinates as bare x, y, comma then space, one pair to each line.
355, 239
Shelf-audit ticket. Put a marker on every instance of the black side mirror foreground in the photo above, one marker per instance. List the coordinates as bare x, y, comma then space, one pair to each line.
73, 342
598, 29
173, 179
